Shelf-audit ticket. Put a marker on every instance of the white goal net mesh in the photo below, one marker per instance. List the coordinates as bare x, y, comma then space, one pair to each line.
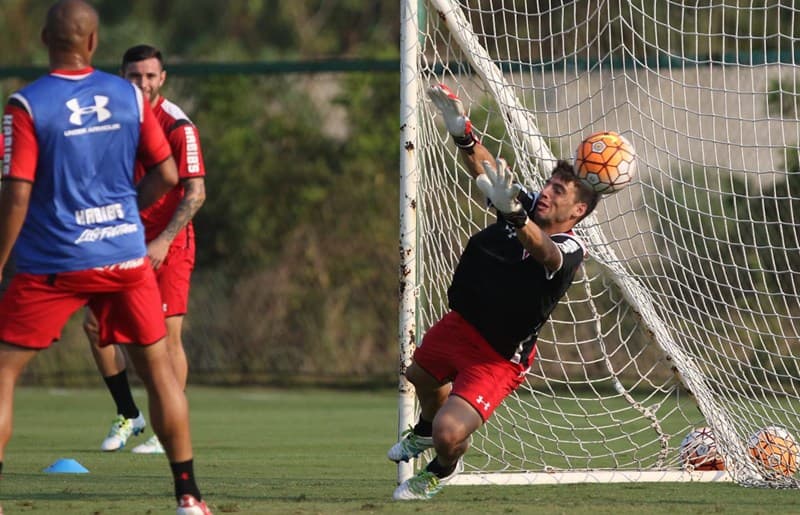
694, 268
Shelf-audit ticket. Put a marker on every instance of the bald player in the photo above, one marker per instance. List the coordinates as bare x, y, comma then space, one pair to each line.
70, 211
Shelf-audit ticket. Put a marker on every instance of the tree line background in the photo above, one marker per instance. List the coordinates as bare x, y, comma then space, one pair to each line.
296, 275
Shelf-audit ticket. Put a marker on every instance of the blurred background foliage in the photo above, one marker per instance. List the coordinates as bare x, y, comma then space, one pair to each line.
297, 243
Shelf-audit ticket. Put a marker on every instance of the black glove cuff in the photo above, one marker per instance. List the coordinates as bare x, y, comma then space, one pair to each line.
517, 218
466, 142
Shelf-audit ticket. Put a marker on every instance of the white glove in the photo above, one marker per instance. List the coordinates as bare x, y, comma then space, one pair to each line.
497, 183
455, 117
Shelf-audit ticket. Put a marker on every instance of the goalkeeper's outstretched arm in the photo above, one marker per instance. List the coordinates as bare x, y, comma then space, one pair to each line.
494, 178
475, 158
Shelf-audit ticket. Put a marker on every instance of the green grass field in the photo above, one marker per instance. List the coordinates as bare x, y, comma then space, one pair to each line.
296, 452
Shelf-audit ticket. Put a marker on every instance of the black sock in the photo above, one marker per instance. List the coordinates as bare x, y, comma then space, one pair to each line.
183, 474
121, 393
1, 469
423, 428
440, 471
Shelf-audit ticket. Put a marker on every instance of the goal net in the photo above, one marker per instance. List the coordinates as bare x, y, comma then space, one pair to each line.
685, 313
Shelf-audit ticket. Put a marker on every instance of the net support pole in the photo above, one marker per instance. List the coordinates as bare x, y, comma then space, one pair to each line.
409, 178
528, 141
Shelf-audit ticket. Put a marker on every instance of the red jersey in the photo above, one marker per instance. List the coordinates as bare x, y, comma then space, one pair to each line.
185, 143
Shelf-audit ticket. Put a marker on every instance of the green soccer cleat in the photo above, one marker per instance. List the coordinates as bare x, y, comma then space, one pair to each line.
424, 485
121, 429
410, 446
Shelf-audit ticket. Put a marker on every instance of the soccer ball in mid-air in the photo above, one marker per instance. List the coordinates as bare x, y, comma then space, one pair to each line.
775, 450
698, 451
606, 161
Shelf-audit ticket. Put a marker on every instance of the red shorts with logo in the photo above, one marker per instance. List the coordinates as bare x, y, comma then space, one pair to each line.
35, 308
174, 276
453, 350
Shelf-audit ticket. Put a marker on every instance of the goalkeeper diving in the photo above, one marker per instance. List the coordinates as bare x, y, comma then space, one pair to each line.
508, 280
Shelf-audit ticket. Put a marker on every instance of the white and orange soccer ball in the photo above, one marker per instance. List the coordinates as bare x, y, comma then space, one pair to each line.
775, 450
698, 451
606, 161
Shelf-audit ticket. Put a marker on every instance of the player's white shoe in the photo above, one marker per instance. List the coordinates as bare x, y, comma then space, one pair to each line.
410, 446
151, 446
424, 485
121, 429
188, 505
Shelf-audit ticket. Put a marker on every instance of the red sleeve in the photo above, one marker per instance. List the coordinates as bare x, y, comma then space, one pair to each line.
185, 142
20, 144
153, 145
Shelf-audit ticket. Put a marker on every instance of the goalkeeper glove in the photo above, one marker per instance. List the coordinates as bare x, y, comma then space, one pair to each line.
455, 117
497, 183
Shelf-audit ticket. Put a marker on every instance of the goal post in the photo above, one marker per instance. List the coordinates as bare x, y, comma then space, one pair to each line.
685, 313
409, 171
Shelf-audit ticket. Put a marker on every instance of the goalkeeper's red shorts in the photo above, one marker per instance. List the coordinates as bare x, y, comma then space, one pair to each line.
453, 350
174, 277
35, 308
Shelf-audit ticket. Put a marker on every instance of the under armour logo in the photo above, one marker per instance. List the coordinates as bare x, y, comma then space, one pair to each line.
483, 403
99, 108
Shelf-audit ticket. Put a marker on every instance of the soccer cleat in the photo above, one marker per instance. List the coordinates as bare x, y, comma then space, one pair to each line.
151, 446
410, 446
424, 485
188, 505
121, 429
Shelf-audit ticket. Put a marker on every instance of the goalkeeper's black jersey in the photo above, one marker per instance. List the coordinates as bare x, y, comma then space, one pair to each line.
505, 293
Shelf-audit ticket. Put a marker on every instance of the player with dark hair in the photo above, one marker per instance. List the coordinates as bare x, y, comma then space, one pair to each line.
169, 234
509, 279
69, 208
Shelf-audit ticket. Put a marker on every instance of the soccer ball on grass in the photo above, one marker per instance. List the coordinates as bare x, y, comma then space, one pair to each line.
698, 451
606, 161
775, 451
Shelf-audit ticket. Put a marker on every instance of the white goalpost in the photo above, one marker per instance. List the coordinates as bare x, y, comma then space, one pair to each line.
686, 312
